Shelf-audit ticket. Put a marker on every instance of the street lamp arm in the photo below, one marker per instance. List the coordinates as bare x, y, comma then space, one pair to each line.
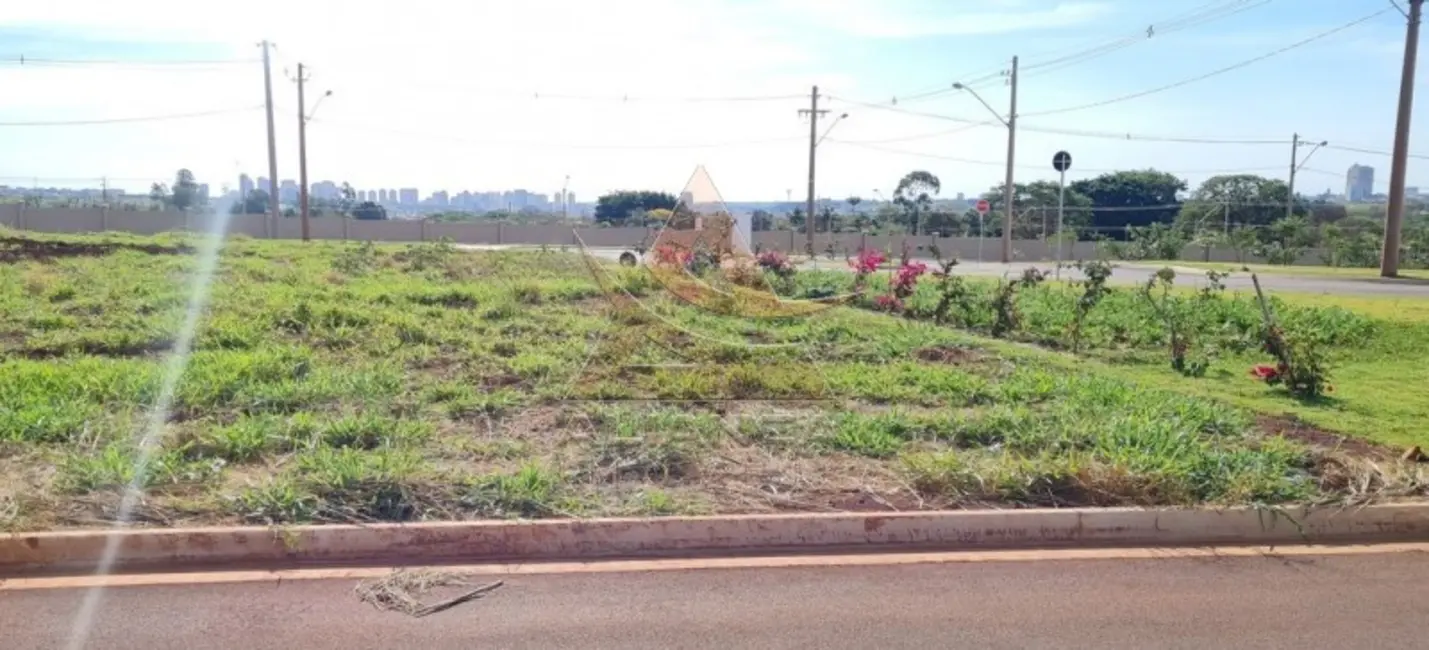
831, 128
982, 101
1312, 152
316, 104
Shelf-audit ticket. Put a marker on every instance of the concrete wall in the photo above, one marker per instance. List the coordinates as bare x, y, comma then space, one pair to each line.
77, 220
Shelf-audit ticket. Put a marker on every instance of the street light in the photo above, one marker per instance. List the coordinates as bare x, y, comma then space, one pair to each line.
1011, 123
833, 124
958, 85
318, 103
1295, 166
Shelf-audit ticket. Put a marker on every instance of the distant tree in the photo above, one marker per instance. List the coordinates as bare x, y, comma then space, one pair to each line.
184, 193
1118, 195
1036, 205
828, 219
915, 194
255, 203
617, 207
159, 192
762, 220
369, 211
796, 219
1237, 199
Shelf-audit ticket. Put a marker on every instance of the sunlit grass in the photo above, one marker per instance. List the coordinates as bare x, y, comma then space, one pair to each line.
343, 382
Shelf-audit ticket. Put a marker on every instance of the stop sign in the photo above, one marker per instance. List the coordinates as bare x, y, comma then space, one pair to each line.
982, 206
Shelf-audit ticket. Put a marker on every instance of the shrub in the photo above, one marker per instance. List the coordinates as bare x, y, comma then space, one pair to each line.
1093, 289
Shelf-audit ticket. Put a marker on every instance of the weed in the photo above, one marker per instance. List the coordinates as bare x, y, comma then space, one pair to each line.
356, 260
1093, 290
530, 492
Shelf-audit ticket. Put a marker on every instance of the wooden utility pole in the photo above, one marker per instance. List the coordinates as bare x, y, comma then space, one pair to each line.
813, 113
1009, 189
272, 221
1394, 217
302, 155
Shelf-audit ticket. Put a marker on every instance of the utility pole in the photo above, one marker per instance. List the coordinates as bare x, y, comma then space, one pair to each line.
1394, 217
1294, 164
814, 113
1011, 152
1226, 207
302, 155
272, 219
104, 190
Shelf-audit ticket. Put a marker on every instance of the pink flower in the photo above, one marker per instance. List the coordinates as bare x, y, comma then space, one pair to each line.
868, 261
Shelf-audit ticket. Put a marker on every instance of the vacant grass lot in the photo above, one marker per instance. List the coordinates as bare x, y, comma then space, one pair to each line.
356, 383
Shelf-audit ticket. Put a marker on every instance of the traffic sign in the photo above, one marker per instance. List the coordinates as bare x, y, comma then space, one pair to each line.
983, 206
1062, 161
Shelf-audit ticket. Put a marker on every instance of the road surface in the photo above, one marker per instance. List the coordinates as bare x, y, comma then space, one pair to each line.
1132, 273
1167, 600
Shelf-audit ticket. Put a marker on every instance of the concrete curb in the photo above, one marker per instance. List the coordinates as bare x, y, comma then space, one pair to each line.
492, 541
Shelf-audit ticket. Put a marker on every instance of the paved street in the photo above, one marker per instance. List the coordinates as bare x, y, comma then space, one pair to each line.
1208, 601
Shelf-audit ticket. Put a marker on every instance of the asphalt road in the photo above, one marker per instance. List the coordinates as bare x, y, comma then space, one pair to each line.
1131, 273
1344, 601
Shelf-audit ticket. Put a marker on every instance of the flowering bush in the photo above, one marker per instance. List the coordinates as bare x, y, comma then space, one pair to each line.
867, 262
1298, 366
864, 265
776, 262
668, 255
905, 280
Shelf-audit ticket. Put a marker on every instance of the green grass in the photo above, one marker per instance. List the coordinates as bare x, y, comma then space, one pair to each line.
1376, 347
337, 382
1309, 270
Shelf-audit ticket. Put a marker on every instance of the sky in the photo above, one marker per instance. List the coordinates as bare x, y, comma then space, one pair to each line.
634, 94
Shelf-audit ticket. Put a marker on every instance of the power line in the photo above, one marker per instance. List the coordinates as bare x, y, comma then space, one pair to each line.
23, 60
127, 120
1205, 14
999, 163
537, 95
1108, 135
557, 145
1213, 73
1208, 13
1373, 152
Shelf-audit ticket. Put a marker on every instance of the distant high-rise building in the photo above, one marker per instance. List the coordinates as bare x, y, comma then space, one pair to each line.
288, 191
265, 184
1359, 183
382, 196
407, 196
570, 198
391, 195
326, 190
440, 197
245, 185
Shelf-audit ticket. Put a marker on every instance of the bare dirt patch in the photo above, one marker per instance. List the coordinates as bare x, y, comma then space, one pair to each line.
17, 249
1289, 426
950, 354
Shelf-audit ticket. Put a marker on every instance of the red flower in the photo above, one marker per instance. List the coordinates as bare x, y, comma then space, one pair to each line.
1264, 372
867, 262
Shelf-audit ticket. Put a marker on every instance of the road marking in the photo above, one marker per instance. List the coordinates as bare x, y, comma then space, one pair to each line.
696, 564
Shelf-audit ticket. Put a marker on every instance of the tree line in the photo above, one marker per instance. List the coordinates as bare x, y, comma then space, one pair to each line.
1142, 213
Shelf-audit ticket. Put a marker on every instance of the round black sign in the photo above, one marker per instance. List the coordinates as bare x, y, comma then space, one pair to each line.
1062, 161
